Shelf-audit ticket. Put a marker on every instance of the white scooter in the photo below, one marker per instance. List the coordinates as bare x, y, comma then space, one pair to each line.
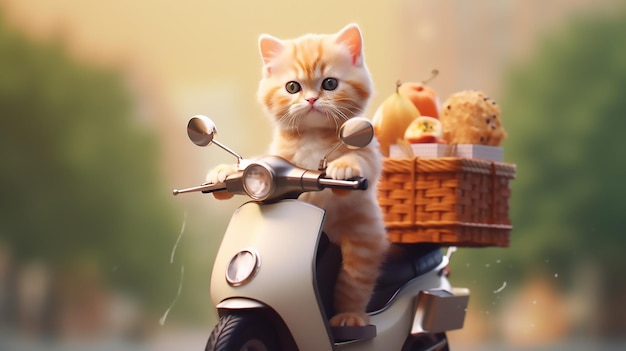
273, 277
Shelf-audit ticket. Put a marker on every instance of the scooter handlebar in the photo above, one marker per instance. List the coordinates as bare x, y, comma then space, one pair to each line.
281, 178
356, 183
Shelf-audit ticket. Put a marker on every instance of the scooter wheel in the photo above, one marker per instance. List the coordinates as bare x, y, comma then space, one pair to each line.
243, 332
427, 342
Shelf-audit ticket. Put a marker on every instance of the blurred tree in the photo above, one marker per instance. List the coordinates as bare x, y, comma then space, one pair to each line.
564, 111
79, 183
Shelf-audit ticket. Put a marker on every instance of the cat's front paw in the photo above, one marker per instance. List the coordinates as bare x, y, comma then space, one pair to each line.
350, 319
219, 173
343, 168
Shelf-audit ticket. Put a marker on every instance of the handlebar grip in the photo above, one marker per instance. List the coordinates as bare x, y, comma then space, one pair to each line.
362, 183
356, 183
212, 188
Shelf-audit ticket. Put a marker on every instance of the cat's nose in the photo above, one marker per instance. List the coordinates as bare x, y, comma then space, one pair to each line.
311, 100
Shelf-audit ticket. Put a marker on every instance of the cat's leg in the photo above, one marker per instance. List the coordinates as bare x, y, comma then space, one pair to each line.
363, 253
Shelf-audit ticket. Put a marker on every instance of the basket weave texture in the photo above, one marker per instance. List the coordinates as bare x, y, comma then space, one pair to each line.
447, 200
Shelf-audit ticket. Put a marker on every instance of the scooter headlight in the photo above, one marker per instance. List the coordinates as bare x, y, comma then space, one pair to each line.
258, 181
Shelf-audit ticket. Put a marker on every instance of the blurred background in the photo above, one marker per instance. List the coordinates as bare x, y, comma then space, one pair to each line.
96, 254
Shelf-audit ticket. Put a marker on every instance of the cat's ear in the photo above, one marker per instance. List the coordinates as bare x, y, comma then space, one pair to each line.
270, 47
350, 36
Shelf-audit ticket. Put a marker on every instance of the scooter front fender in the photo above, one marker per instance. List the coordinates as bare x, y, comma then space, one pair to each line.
236, 303
281, 241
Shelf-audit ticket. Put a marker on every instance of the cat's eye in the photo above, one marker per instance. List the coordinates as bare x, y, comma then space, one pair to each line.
330, 84
292, 87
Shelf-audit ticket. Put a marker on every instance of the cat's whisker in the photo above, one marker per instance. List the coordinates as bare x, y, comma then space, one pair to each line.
347, 100
350, 103
293, 119
338, 113
289, 121
350, 110
332, 117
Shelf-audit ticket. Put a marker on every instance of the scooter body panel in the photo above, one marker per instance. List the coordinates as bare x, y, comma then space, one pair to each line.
285, 237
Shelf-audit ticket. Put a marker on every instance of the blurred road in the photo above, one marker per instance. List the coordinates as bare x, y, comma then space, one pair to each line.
196, 340
188, 340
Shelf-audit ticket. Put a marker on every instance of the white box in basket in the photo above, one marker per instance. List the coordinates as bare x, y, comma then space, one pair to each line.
492, 153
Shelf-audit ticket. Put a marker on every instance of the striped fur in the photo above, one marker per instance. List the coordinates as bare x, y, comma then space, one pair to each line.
306, 130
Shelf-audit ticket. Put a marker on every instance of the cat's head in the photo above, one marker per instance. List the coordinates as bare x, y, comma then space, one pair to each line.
314, 81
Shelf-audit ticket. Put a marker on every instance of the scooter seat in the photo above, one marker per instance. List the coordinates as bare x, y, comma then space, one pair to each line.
404, 262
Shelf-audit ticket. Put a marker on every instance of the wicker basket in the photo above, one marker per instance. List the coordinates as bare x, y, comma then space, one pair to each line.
447, 200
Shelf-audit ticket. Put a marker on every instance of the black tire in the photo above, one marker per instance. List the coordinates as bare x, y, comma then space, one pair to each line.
243, 332
427, 342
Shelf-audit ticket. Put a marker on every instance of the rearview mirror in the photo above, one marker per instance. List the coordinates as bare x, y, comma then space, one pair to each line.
357, 132
201, 130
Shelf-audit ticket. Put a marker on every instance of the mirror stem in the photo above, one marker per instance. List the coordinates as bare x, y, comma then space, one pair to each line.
225, 148
323, 165
324, 162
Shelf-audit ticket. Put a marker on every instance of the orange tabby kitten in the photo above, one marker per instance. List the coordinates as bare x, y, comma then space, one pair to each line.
310, 86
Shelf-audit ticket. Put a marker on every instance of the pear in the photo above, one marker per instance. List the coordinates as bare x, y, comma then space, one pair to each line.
392, 118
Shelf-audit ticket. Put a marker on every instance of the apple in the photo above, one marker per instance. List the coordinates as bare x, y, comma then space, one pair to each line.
422, 96
424, 129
